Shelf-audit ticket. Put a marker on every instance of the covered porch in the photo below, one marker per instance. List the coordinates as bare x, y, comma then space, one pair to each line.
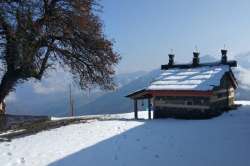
150, 97
138, 96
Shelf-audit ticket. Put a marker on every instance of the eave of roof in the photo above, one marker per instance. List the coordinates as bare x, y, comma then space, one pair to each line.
144, 93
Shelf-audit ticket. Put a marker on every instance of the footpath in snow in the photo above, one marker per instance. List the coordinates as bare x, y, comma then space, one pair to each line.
220, 141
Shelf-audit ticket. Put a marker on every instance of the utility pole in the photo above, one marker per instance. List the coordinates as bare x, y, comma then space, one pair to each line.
71, 102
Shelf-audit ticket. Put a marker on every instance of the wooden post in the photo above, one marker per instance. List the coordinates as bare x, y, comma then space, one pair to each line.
135, 109
149, 108
71, 102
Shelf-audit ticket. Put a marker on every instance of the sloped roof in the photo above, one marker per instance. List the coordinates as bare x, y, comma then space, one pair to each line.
202, 78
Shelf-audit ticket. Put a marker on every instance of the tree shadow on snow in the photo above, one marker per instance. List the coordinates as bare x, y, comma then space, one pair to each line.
130, 147
152, 143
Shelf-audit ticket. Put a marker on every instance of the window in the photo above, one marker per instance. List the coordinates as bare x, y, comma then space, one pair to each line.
189, 102
220, 95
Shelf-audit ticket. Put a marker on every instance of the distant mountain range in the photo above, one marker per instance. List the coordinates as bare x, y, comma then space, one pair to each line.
32, 99
116, 102
51, 96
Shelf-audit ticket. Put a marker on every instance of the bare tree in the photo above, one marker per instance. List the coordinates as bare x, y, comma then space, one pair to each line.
37, 34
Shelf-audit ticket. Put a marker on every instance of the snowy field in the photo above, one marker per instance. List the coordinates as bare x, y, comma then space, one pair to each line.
220, 141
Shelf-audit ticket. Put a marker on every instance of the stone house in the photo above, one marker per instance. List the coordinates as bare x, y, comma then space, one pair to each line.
195, 90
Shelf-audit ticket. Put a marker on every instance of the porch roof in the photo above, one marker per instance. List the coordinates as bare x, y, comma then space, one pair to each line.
145, 93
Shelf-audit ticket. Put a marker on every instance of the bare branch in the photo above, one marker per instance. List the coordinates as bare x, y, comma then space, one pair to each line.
69, 31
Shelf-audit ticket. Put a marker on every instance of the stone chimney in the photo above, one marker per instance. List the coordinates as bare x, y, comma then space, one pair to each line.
171, 59
223, 56
196, 59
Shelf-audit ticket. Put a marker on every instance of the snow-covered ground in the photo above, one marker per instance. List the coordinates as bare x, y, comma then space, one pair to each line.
224, 140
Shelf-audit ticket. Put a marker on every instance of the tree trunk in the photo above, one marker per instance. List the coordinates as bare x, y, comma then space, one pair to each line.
7, 84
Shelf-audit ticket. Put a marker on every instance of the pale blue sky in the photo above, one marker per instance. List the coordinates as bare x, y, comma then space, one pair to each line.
146, 30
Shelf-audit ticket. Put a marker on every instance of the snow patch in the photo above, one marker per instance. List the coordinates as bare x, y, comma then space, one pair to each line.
243, 102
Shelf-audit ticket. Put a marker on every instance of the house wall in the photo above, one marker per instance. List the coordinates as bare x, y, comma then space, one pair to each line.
182, 107
2, 108
196, 106
224, 95
181, 101
222, 99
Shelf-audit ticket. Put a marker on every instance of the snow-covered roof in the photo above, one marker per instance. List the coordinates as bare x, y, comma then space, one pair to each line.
198, 79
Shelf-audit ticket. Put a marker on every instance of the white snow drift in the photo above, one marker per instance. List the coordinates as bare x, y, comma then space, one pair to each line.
219, 141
